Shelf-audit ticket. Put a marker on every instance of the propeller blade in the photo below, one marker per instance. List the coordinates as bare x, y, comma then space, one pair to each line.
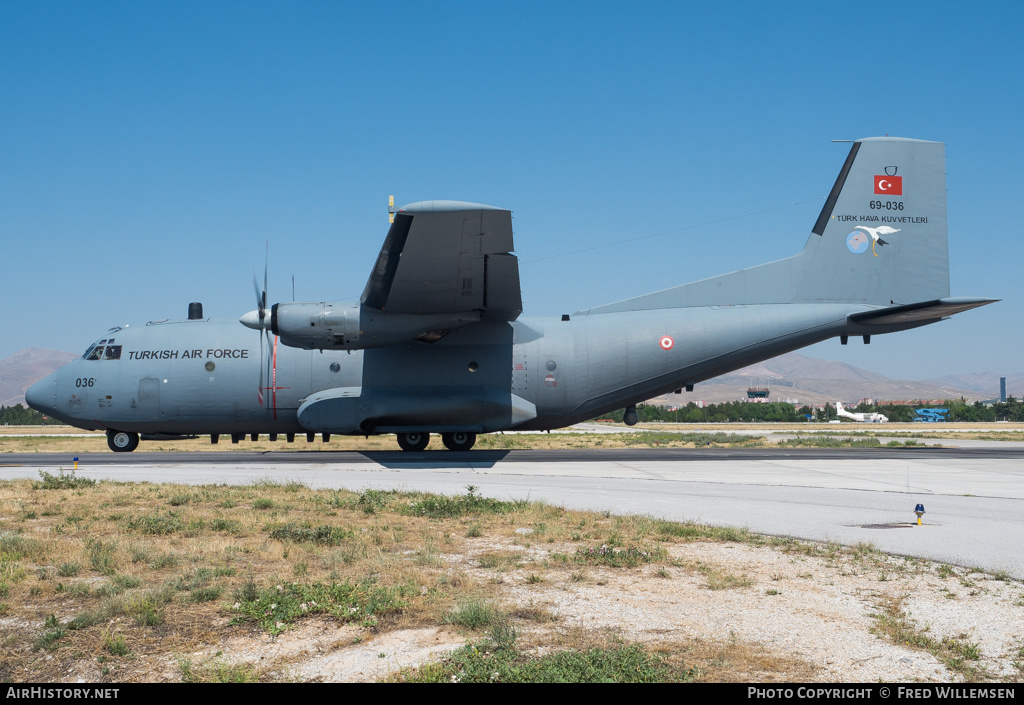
257, 320
266, 260
261, 298
266, 339
259, 389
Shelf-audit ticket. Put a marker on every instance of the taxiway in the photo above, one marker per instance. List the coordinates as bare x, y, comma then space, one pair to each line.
973, 497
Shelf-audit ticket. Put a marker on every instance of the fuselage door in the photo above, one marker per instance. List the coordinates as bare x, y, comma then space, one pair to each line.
149, 398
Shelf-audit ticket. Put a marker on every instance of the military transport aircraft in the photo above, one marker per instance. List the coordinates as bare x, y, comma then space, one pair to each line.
436, 344
866, 417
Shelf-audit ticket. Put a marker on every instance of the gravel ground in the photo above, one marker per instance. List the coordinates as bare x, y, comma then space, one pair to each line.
805, 608
806, 614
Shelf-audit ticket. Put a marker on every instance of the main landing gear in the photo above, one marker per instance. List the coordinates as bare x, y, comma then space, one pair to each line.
122, 441
456, 440
413, 441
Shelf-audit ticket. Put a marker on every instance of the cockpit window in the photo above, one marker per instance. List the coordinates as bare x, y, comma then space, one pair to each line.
95, 351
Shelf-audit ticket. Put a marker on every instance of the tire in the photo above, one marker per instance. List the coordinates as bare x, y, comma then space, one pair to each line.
122, 441
458, 440
413, 441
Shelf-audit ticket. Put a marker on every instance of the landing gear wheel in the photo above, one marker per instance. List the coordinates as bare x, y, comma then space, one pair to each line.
458, 440
413, 441
122, 441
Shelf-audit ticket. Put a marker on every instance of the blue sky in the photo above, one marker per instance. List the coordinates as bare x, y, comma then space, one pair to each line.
148, 151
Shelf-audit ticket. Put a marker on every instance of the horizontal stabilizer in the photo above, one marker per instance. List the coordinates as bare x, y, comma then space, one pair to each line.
919, 312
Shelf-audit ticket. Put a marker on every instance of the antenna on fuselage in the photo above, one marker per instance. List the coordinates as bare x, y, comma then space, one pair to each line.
391, 209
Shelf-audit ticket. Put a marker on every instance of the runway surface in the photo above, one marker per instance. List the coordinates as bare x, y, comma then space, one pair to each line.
973, 497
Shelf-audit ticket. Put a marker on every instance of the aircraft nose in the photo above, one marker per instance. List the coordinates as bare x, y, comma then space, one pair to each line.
42, 395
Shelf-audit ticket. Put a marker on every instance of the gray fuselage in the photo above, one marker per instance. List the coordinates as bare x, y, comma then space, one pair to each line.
202, 376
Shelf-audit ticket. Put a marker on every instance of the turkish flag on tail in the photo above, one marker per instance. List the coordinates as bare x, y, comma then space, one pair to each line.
889, 185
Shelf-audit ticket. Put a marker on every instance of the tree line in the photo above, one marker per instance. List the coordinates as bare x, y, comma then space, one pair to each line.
772, 412
718, 413
18, 415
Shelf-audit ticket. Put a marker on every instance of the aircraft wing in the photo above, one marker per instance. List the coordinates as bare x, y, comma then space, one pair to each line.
919, 312
444, 257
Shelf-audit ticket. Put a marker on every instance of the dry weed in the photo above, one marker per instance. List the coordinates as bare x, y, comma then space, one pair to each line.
171, 572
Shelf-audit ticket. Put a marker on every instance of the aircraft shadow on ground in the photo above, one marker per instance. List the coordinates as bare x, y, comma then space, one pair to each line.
398, 459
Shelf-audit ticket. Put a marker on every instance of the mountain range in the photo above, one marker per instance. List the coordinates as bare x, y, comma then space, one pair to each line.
791, 377
26, 367
800, 379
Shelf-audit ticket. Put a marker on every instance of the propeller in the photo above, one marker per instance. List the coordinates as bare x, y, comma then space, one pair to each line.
259, 320
261, 296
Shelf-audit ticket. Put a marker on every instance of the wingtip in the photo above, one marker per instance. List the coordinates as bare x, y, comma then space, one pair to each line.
446, 206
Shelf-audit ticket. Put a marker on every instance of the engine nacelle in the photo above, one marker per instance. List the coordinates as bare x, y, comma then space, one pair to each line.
346, 325
316, 326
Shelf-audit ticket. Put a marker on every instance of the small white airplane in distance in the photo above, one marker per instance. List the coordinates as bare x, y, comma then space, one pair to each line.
864, 417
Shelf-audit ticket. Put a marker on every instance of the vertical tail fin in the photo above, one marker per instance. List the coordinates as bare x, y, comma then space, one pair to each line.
880, 239
881, 236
